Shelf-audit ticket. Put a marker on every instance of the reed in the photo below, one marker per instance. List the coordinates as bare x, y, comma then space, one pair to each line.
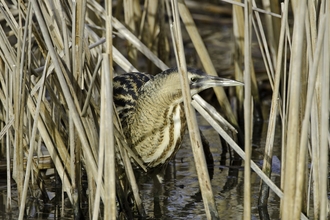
57, 61
195, 139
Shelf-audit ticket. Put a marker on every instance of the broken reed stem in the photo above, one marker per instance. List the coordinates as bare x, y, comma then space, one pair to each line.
195, 139
247, 108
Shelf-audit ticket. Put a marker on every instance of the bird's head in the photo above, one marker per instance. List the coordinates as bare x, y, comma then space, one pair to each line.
198, 80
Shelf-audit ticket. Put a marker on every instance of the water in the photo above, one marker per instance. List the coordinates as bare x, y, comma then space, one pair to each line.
179, 197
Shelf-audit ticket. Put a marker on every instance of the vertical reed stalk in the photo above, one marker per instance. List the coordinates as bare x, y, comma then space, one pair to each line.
324, 125
195, 139
78, 59
271, 27
130, 21
266, 168
305, 124
107, 101
18, 169
96, 207
8, 147
247, 108
293, 114
268, 61
205, 59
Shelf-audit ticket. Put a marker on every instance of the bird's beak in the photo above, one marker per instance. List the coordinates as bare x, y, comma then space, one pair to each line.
213, 81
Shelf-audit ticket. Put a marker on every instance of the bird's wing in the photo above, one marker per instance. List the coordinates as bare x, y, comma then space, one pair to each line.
125, 91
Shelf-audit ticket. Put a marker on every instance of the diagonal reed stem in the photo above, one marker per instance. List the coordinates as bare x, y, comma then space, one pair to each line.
195, 139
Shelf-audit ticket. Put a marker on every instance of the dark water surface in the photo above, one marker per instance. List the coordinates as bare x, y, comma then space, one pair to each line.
178, 197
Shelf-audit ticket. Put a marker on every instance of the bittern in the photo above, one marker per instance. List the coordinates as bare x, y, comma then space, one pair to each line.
152, 113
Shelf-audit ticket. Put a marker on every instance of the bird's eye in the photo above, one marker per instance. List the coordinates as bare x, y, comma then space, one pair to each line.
193, 79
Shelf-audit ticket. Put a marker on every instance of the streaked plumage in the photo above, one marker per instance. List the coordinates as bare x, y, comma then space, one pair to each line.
151, 110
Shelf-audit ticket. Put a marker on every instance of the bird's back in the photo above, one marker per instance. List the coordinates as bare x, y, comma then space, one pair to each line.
125, 91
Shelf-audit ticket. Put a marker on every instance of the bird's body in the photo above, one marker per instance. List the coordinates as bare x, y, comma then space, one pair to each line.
151, 111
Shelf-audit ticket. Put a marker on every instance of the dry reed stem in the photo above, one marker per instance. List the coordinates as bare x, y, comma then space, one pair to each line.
305, 124
324, 125
239, 151
109, 154
216, 116
102, 143
274, 105
130, 22
315, 168
293, 113
21, 63
205, 59
195, 139
237, 3
109, 174
138, 44
238, 27
36, 118
272, 34
90, 161
122, 61
18, 97
269, 62
48, 140
238, 32
284, 109
9, 122
264, 51
143, 18
152, 21
247, 107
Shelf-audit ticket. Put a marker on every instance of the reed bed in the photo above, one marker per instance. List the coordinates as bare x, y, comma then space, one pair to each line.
57, 61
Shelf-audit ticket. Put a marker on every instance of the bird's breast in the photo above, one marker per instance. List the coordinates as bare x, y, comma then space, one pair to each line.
160, 138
